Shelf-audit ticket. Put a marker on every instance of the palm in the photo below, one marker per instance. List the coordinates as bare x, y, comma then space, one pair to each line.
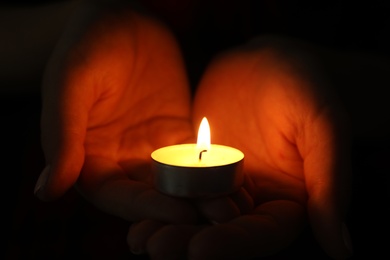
258, 115
138, 113
130, 120
296, 154
133, 83
122, 93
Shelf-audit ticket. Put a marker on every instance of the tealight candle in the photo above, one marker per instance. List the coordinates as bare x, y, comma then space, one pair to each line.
198, 170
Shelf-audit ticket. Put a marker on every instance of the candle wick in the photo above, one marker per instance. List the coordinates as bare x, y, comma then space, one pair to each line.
200, 154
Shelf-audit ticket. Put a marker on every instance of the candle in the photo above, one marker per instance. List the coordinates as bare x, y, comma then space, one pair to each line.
198, 170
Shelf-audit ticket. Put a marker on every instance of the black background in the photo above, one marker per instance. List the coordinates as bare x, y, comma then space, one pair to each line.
70, 227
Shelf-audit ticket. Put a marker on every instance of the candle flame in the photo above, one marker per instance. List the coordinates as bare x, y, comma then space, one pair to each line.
203, 142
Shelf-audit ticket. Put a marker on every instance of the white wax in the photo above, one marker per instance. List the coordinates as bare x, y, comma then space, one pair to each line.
187, 155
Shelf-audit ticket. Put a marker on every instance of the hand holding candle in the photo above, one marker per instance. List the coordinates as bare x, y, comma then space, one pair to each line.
198, 170
104, 112
292, 132
275, 112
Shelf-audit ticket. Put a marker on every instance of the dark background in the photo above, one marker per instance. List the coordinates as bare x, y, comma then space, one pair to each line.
70, 227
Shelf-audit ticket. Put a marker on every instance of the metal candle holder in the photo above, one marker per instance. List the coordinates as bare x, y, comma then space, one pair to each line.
198, 182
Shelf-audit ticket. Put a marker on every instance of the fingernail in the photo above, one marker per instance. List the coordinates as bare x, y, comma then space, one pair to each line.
41, 182
347, 238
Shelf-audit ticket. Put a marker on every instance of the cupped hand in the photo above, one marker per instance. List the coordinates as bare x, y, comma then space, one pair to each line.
271, 100
114, 90
277, 105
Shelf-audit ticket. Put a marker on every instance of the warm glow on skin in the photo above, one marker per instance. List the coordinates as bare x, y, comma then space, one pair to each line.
291, 132
253, 113
123, 93
116, 89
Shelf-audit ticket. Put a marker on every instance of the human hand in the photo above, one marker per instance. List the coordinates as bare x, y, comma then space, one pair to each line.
275, 105
114, 90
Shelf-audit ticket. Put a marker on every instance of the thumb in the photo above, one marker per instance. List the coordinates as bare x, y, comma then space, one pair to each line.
63, 146
66, 99
60, 173
327, 166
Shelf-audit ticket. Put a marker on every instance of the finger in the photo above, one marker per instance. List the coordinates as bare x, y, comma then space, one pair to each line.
63, 123
218, 210
105, 184
222, 209
62, 144
69, 90
139, 234
272, 227
243, 200
327, 167
171, 242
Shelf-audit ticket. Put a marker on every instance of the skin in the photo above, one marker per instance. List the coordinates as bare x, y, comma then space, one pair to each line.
115, 89
291, 129
295, 144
